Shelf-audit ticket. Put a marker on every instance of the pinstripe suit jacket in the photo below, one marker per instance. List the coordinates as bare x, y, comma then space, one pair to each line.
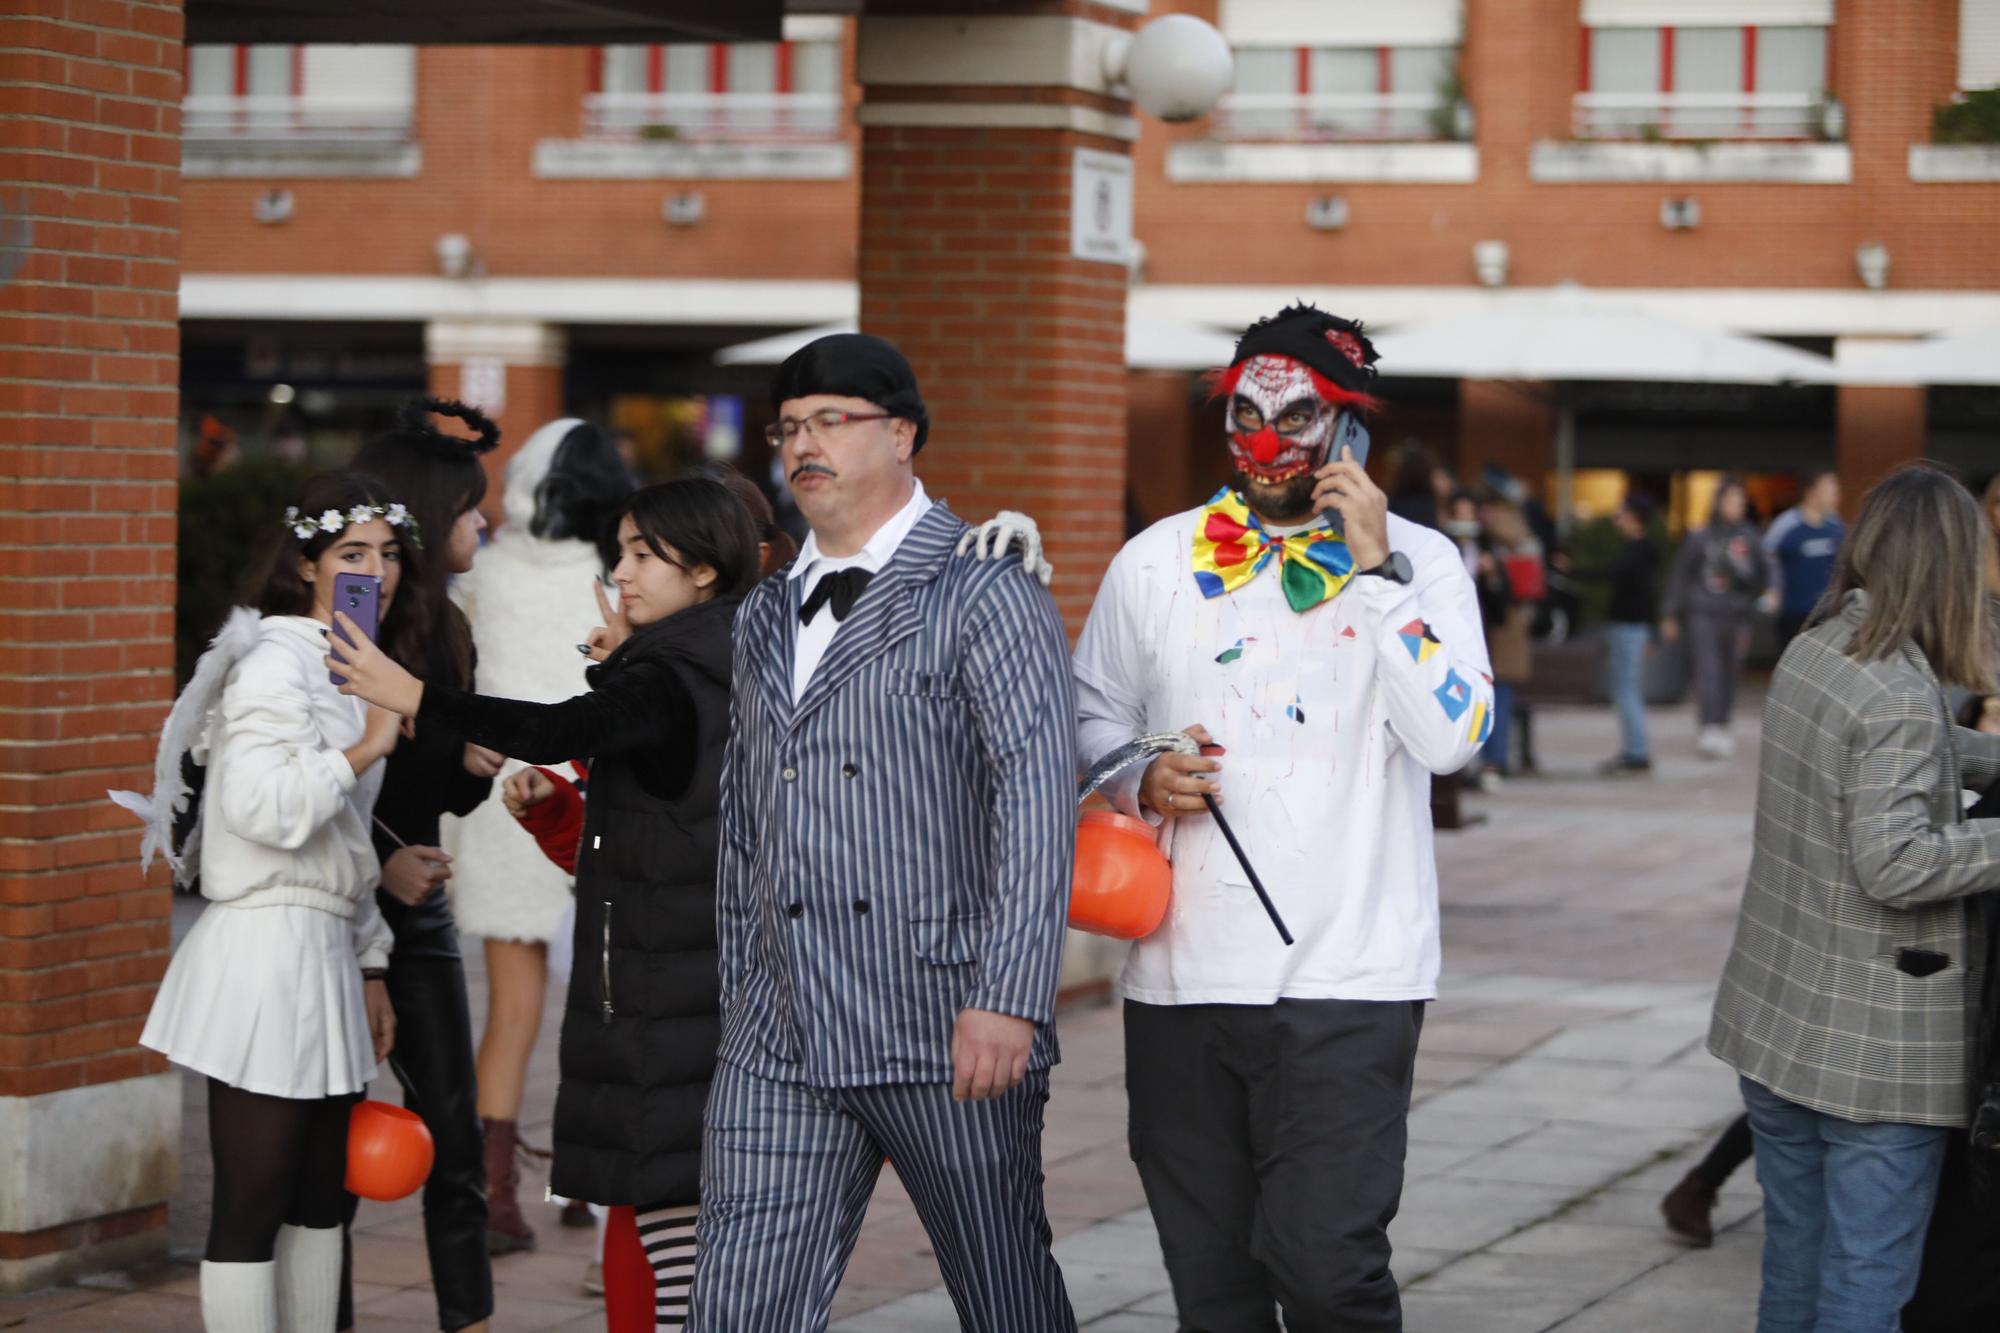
1861, 851
897, 846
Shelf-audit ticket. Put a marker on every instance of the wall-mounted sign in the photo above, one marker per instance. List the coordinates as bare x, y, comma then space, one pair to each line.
482, 382
1100, 206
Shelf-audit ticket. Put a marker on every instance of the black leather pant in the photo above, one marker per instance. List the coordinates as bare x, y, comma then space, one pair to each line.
434, 1047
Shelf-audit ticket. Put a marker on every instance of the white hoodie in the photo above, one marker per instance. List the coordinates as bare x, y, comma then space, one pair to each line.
284, 817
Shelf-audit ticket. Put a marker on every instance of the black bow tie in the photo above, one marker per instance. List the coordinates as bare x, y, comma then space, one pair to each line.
842, 589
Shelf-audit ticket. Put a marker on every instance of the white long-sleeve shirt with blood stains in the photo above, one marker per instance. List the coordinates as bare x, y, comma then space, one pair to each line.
1334, 720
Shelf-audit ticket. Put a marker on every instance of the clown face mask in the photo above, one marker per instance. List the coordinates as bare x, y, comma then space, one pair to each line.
1282, 420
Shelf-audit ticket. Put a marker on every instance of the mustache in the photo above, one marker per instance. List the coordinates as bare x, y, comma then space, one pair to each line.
1284, 502
804, 468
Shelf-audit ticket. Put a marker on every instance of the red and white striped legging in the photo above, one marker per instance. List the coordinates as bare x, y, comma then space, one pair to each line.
648, 1268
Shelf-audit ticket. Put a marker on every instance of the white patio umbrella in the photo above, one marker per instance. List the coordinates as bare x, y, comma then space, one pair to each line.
1149, 345
1960, 358
1572, 334
773, 350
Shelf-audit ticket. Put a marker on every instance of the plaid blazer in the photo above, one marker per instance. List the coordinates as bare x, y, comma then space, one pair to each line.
1852, 982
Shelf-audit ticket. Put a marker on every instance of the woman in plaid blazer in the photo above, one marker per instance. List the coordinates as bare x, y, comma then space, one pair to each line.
1847, 996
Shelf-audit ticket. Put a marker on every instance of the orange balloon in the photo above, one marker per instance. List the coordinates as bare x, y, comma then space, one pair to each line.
389, 1152
1121, 883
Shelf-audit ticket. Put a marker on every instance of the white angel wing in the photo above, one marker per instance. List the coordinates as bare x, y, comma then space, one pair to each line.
187, 729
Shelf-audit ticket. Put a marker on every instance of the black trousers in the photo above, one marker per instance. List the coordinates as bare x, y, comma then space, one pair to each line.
1270, 1140
434, 1047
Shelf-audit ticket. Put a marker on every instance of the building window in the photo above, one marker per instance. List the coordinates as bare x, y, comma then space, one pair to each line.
1333, 70
344, 93
1646, 79
738, 91
1978, 45
1317, 94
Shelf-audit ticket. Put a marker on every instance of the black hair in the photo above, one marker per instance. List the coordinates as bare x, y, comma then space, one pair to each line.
783, 549
404, 633
1639, 505
854, 365
582, 494
704, 524
1414, 470
439, 477
1731, 481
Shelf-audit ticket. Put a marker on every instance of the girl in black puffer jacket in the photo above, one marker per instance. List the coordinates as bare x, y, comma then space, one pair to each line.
642, 1022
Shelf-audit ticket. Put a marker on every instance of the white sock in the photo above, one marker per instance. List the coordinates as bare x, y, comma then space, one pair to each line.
239, 1298
309, 1278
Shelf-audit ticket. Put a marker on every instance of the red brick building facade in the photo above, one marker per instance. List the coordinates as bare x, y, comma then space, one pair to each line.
562, 229
1787, 136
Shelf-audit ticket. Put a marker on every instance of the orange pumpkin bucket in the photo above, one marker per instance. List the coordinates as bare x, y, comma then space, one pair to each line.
1121, 882
389, 1152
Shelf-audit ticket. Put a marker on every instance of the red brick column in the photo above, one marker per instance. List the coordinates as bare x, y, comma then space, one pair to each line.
522, 362
1875, 431
90, 189
966, 265
1512, 425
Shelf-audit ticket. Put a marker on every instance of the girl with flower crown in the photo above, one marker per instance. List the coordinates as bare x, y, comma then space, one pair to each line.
276, 993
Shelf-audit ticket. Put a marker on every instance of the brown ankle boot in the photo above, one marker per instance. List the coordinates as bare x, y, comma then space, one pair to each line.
506, 1229
1687, 1208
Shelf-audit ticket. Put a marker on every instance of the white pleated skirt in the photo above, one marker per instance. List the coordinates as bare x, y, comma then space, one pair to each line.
267, 999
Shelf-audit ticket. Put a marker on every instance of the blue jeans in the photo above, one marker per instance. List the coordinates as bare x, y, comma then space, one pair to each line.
1499, 748
1627, 643
1845, 1210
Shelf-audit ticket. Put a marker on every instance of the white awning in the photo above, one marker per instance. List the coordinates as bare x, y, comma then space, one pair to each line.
1964, 358
1707, 13
1571, 334
1343, 22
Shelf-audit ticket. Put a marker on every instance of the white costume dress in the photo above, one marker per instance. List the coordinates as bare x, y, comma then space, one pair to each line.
265, 992
530, 604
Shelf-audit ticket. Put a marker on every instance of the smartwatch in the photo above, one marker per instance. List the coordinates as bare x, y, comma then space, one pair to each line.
1396, 569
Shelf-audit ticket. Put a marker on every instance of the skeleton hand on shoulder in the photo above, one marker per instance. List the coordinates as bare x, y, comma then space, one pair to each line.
1003, 532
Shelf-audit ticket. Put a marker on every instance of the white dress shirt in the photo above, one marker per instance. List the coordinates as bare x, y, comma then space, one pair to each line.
1333, 721
811, 567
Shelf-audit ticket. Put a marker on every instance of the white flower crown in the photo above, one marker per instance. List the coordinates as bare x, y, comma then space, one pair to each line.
333, 520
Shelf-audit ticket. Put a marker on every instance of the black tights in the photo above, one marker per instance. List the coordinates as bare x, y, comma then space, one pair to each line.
1733, 1149
279, 1161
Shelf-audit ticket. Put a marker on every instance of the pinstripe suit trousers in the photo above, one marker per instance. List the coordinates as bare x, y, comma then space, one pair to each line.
787, 1170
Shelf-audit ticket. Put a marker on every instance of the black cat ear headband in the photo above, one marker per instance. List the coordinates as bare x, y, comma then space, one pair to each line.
413, 419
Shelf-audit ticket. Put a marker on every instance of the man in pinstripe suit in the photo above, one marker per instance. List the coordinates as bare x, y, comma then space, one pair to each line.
898, 810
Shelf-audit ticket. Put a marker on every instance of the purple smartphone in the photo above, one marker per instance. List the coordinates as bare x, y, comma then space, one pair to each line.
360, 596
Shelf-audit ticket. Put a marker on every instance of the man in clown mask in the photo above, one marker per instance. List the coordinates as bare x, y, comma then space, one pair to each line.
1329, 657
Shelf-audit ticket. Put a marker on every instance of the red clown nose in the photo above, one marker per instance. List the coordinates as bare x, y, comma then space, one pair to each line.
1264, 446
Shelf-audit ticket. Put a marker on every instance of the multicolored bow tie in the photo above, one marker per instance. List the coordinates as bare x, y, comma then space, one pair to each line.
1231, 548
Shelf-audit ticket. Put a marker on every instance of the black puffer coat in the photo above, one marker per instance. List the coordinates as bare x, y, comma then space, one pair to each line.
642, 1022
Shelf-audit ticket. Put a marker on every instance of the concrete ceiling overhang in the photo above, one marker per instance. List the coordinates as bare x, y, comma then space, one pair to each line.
484, 22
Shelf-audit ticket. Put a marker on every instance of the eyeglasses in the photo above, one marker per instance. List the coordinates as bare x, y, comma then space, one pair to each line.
820, 425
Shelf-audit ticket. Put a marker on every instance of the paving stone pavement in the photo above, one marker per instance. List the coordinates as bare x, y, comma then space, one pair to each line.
1560, 1090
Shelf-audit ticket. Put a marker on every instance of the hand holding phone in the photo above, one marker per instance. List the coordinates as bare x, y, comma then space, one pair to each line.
359, 596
